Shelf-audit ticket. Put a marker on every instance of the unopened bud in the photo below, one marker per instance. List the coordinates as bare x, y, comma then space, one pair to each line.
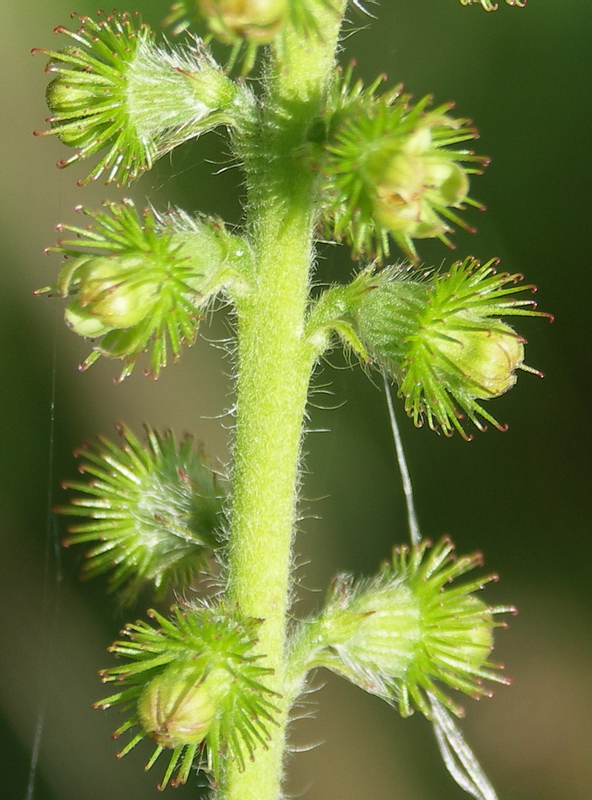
389, 169
440, 338
256, 21
84, 323
112, 290
177, 708
479, 362
410, 179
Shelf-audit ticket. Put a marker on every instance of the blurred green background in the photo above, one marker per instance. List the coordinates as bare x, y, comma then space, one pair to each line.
523, 497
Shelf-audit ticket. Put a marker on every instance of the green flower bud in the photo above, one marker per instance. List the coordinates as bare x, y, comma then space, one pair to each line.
438, 337
84, 323
446, 183
388, 169
113, 291
178, 707
408, 184
404, 633
484, 360
150, 292
62, 97
399, 185
477, 643
253, 20
116, 90
155, 512
196, 685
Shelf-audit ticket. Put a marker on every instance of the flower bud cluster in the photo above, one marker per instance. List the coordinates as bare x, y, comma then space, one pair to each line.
195, 686
246, 25
439, 337
155, 513
143, 281
115, 89
389, 168
230, 21
404, 633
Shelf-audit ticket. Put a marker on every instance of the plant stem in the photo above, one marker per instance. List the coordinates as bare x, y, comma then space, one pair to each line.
275, 363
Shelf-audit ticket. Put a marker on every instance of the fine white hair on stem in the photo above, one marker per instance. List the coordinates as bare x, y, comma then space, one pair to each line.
414, 531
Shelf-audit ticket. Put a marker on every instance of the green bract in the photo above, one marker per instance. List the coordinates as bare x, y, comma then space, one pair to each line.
196, 688
156, 512
405, 632
116, 89
437, 336
148, 282
388, 168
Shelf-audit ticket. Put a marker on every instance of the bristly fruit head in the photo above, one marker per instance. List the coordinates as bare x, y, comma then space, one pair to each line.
389, 168
144, 281
155, 512
438, 336
115, 90
405, 632
196, 688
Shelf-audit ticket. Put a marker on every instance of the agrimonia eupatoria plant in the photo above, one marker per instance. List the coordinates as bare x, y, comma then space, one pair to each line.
324, 157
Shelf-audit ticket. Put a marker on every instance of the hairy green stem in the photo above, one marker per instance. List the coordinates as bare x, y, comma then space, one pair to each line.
275, 363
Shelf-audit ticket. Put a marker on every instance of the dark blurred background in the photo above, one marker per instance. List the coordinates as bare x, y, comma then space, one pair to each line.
523, 497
